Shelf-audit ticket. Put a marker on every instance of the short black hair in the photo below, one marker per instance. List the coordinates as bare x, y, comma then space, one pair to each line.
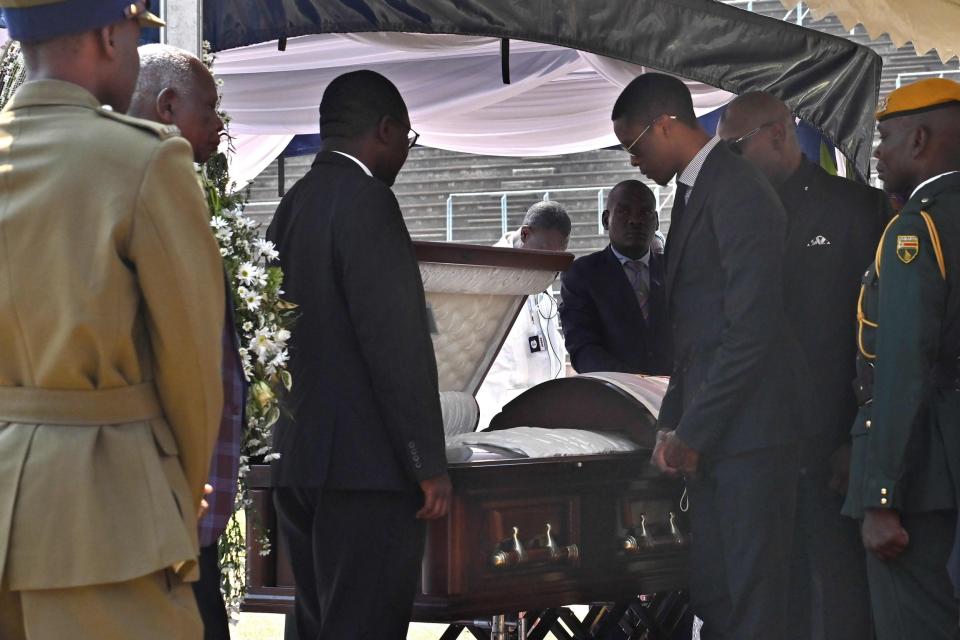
655, 94
547, 215
355, 102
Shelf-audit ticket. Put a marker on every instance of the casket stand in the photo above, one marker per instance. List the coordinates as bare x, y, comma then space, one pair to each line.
526, 534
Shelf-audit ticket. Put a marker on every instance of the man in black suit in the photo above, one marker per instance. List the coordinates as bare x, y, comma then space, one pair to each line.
612, 307
362, 455
833, 228
729, 414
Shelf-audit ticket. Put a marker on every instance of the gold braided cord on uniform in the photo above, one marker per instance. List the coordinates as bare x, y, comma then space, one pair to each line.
861, 321
882, 238
935, 239
861, 316
24, 4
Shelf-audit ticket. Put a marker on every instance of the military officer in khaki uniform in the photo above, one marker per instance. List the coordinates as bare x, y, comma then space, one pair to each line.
111, 308
905, 467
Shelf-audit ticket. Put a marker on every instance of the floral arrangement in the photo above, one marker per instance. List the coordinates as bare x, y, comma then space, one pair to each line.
12, 71
263, 322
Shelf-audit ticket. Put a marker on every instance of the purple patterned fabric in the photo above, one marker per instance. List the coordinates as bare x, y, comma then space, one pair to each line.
226, 452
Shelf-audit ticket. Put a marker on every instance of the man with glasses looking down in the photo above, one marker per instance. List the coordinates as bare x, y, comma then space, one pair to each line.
363, 461
833, 227
729, 418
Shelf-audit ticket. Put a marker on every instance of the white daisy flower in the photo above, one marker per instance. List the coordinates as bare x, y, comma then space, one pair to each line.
252, 300
262, 344
218, 222
248, 273
248, 326
267, 249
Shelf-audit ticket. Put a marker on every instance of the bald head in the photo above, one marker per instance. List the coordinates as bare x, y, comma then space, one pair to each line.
176, 88
918, 146
766, 131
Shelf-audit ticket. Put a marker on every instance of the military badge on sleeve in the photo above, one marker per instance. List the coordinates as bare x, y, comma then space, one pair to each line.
907, 248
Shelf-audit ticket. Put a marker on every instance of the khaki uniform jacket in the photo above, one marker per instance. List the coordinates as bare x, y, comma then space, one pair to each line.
111, 311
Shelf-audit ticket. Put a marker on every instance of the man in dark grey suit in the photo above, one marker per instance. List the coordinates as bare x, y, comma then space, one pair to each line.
833, 228
729, 417
362, 454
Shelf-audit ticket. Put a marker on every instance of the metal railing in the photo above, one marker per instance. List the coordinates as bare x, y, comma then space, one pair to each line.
664, 196
926, 74
797, 14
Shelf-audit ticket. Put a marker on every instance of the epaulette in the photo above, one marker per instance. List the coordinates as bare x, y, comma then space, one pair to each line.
162, 131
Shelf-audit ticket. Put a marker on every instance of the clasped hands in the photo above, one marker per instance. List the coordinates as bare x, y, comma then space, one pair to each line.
672, 455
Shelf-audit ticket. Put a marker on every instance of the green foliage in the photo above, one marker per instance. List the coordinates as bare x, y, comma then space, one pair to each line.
263, 322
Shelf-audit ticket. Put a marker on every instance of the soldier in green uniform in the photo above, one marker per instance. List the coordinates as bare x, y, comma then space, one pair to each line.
905, 468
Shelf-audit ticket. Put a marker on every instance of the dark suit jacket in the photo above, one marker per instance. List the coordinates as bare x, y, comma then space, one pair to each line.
603, 327
833, 228
365, 405
733, 387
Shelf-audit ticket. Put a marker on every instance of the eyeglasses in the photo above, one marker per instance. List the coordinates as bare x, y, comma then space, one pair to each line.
412, 137
629, 148
737, 145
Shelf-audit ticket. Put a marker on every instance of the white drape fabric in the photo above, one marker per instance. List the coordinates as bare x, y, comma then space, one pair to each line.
254, 153
928, 24
558, 101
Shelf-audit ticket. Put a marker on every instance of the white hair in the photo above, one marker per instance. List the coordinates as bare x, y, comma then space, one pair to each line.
162, 67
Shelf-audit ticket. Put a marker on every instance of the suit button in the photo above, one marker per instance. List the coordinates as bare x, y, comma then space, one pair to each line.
883, 501
883, 491
412, 445
869, 424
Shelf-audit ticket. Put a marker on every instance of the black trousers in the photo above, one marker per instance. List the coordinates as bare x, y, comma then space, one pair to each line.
829, 597
912, 596
209, 597
741, 515
356, 559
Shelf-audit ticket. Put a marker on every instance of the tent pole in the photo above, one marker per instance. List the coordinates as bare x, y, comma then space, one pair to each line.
505, 59
184, 24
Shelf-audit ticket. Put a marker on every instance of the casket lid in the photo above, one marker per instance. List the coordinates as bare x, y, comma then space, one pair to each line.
474, 294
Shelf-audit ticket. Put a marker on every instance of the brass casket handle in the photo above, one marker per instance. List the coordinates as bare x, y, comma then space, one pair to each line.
543, 549
510, 553
638, 541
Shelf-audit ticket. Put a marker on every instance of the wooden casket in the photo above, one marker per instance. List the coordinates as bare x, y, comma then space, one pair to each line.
526, 530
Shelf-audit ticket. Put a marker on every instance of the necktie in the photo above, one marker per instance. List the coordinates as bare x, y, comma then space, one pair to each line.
640, 283
679, 203
676, 211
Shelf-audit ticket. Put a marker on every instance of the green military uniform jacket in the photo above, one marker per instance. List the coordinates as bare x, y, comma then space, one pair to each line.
906, 441
111, 312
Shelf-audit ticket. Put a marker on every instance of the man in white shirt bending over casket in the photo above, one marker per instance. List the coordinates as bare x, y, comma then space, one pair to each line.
533, 351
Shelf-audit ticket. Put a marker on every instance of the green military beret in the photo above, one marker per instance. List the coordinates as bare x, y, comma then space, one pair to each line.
924, 95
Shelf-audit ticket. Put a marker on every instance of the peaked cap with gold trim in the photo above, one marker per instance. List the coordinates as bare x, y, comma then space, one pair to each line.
923, 95
30, 20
